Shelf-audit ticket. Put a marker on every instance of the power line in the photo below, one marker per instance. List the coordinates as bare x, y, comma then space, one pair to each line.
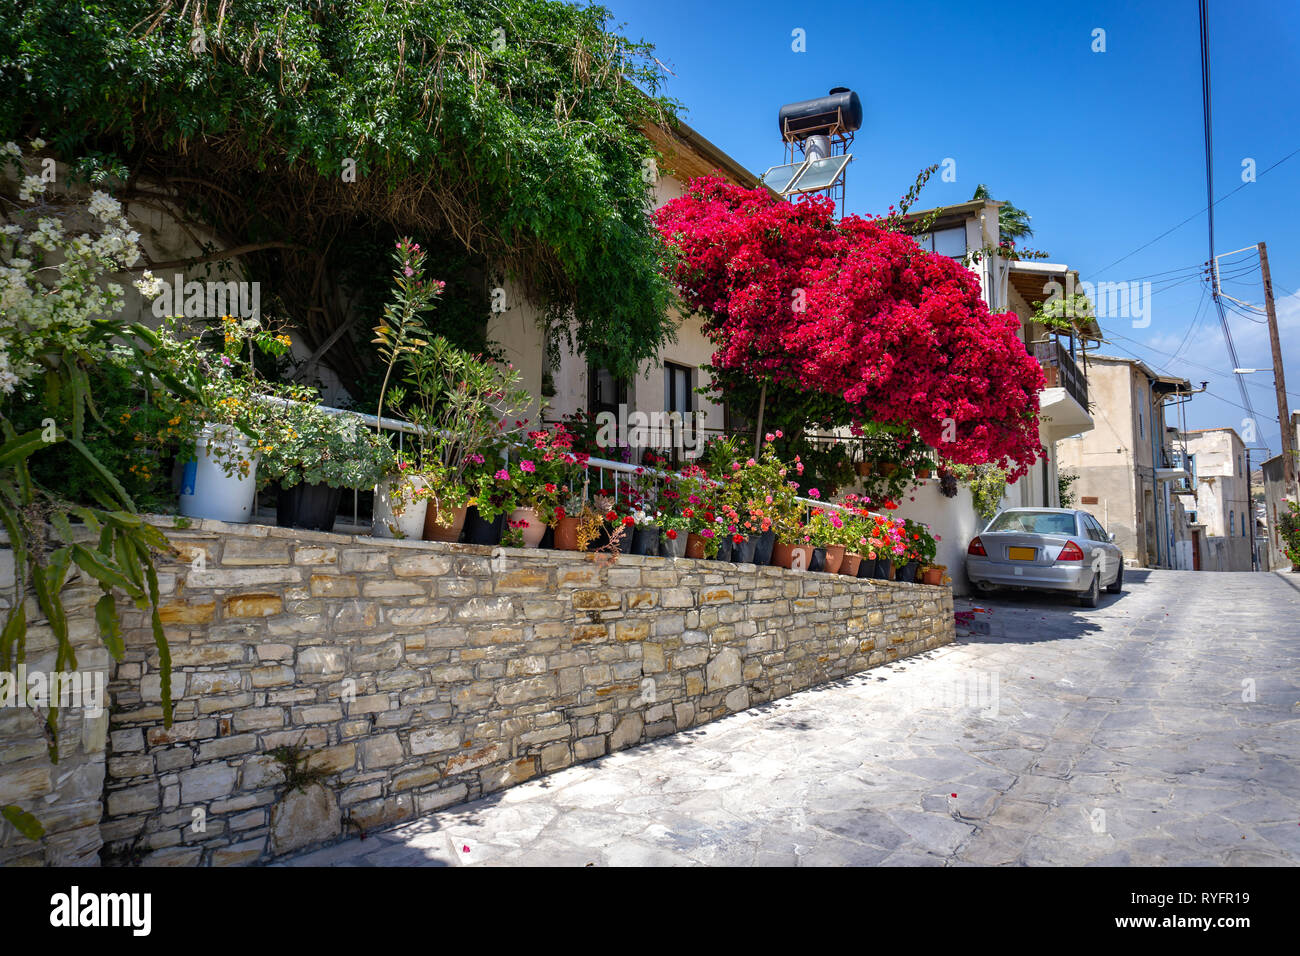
1208, 126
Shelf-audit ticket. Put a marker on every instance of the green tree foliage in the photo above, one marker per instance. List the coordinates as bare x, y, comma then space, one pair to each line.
1013, 222
511, 131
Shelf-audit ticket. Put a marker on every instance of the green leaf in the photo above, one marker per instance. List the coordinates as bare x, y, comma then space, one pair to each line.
93, 563
24, 446
110, 625
23, 822
109, 478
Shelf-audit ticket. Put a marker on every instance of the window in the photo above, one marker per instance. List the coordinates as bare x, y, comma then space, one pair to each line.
1232, 519
678, 396
1243, 524
1034, 522
605, 393
1095, 530
946, 242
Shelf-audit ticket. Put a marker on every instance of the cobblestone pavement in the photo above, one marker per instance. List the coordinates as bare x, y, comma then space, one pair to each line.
1162, 728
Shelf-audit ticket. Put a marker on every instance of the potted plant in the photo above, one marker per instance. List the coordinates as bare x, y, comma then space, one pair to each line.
645, 532
232, 410
934, 574
824, 530
312, 455
676, 530
459, 405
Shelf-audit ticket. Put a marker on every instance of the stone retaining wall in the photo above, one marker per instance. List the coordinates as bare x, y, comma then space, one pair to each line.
421, 675
66, 798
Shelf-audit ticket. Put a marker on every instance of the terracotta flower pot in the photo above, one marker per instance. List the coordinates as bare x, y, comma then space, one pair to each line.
694, 546
886, 468
864, 469
923, 472
893, 572
801, 557
566, 534
851, 564
534, 530
437, 532
834, 558
932, 576
781, 554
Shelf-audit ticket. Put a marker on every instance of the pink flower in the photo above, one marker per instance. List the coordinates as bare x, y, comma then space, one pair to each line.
814, 493
527, 466
779, 433
502, 475
751, 463
769, 437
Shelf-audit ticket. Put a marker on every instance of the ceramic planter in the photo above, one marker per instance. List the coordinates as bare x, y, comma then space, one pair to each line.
207, 491
645, 541
886, 468
763, 544
478, 531
782, 554
676, 547
311, 507
864, 469
533, 528
566, 534
438, 532
923, 473
392, 497
834, 558
742, 552
932, 576
851, 563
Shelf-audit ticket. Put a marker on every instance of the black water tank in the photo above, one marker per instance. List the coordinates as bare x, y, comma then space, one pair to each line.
817, 115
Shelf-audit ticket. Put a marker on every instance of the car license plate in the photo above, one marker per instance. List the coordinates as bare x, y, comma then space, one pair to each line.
1021, 554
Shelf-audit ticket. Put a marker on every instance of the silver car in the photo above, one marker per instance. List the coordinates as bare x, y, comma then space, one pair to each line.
1051, 549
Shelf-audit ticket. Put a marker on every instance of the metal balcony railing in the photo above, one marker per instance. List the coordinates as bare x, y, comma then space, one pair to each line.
1061, 370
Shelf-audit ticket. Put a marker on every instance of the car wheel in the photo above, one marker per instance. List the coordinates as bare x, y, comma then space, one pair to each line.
1090, 597
1118, 584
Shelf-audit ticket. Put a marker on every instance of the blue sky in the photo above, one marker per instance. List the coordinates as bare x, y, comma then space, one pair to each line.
1103, 149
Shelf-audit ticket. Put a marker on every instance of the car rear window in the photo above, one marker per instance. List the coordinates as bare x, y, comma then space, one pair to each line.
1033, 522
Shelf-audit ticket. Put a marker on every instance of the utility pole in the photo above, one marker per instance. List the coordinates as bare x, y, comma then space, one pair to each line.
1250, 514
1279, 379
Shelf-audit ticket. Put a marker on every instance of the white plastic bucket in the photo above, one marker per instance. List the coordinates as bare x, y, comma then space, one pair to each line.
207, 491
410, 523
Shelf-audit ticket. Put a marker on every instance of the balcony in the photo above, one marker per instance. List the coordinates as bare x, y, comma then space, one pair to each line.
1061, 371
1063, 403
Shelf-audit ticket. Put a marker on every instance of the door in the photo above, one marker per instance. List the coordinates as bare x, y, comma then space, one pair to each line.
1196, 551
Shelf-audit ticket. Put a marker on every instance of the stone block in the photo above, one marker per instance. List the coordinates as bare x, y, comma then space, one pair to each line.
253, 605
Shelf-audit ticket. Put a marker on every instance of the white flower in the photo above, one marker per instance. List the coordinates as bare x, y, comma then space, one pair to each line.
31, 188
12, 149
38, 143
149, 285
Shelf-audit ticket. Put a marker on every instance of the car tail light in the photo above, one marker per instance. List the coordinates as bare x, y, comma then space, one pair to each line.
977, 547
1071, 552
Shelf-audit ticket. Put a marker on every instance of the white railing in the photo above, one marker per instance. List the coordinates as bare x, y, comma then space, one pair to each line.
600, 464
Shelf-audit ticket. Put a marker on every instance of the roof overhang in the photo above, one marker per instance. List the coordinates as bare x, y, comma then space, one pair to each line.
687, 154
1031, 279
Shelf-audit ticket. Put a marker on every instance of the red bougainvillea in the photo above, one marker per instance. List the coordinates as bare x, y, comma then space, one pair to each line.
854, 309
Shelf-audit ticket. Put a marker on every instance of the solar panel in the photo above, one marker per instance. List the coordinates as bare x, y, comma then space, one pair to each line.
779, 178
820, 174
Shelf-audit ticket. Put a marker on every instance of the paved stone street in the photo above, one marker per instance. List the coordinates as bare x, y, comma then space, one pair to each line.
1064, 736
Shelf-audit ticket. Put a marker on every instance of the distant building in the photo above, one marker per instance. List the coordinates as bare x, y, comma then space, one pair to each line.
1217, 464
